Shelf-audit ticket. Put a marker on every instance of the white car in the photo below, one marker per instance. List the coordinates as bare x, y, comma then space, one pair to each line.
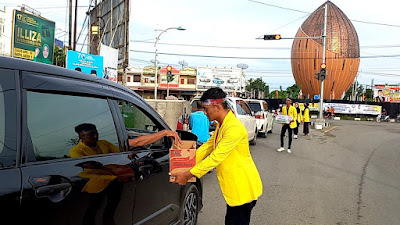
244, 114
265, 119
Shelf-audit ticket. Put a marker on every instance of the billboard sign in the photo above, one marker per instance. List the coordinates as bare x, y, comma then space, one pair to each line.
228, 79
110, 62
33, 38
387, 93
360, 109
86, 63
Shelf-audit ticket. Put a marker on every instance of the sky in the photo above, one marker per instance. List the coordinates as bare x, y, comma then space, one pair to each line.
232, 26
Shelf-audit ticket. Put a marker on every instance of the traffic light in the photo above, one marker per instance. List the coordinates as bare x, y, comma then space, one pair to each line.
318, 76
323, 71
272, 37
322, 74
170, 77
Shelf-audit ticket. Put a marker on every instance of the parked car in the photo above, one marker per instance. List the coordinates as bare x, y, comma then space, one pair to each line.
40, 181
265, 118
244, 114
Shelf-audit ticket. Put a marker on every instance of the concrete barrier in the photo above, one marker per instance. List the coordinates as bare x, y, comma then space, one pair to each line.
171, 110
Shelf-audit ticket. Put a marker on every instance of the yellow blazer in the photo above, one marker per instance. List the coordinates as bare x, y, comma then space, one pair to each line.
299, 117
306, 117
293, 113
228, 151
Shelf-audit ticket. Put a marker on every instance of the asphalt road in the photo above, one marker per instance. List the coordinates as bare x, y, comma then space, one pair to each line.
348, 173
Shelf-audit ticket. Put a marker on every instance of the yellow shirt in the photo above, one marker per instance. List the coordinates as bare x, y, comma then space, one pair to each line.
228, 151
83, 150
306, 116
299, 117
293, 113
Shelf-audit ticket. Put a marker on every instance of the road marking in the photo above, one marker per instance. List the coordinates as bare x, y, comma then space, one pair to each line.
330, 129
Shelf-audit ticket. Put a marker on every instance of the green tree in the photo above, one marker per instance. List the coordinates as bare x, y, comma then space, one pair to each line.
293, 91
257, 85
369, 95
59, 57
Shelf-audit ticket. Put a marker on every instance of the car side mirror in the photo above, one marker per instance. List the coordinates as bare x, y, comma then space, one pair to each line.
187, 136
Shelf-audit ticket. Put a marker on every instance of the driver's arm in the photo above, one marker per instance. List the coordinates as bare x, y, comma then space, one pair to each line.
151, 138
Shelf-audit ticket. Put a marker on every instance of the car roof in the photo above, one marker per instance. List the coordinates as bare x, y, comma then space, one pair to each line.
254, 100
26, 65
234, 98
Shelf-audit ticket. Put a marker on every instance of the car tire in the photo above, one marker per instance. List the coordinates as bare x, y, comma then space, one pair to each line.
263, 135
190, 206
254, 141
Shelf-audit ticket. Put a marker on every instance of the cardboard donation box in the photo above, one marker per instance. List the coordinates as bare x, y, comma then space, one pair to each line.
285, 119
182, 158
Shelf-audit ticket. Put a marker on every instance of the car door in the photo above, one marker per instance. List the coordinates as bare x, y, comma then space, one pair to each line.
250, 118
245, 118
157, 201
61, 189
10, 175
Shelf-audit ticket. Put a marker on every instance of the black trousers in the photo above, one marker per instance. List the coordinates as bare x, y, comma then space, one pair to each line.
296, 130
283, 131
306, 127
239, 215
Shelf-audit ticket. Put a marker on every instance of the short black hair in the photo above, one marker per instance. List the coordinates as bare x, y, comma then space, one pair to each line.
78, 69
93, 72
379, 90
214, 93
199, 104
85, 127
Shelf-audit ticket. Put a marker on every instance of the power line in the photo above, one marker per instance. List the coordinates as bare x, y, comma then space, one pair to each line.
257, 58
295, 10
255, 48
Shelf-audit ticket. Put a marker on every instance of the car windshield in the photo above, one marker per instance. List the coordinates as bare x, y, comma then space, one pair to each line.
255, 107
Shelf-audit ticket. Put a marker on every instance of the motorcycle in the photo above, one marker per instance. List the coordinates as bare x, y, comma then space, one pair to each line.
383, 118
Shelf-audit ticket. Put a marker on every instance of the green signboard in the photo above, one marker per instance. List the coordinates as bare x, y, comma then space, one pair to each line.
33, 38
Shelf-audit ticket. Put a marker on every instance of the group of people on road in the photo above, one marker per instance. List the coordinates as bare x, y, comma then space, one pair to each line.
298, 117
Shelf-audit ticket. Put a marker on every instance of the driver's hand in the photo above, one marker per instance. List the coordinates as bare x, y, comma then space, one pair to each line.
174, 135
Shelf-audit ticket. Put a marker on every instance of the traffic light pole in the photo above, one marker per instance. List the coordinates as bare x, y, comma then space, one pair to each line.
321, 101
167, 87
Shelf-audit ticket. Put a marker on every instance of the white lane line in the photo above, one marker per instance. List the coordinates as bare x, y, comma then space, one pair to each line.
330, 129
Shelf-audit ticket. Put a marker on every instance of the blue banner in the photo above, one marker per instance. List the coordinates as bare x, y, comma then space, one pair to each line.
86, 63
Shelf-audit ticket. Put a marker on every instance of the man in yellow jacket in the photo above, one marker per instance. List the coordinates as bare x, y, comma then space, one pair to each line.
227, 151
290, 111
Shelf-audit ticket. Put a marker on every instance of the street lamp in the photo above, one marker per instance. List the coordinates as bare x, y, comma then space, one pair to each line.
155, 60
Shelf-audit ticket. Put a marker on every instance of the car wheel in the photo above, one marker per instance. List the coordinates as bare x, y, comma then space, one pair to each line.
190, 206
254, 141
263, 135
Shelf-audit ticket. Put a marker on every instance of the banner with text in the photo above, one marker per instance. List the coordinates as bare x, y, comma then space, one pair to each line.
33, 38
86, 63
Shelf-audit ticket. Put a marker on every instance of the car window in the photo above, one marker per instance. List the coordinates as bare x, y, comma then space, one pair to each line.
139, 123
242, 108
8, 148
255, 106
53, 120
265, 105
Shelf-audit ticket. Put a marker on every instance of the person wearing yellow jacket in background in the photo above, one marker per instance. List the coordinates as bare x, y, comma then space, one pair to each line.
290, 111
228, 151
306, 119
299, 119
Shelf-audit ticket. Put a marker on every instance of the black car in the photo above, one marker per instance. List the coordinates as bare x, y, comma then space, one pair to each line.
40, 183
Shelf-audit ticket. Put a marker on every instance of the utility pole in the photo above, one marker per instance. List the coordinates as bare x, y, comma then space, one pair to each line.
321, 101
76, 15
70, 26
